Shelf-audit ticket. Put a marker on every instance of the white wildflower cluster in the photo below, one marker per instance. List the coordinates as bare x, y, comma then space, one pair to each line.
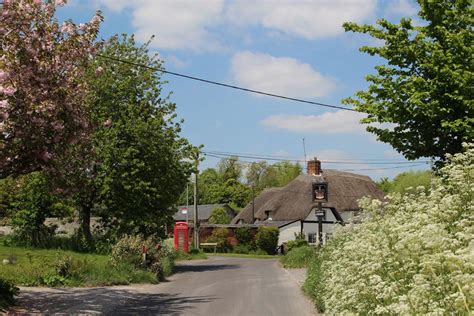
411, 255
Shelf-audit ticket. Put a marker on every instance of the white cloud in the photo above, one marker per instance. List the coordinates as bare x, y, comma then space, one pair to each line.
279, 75
310, 19
402, 7
177, 24
176, 62
181, 24
327, 123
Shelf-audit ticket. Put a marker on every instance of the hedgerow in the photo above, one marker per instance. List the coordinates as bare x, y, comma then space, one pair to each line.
411, 255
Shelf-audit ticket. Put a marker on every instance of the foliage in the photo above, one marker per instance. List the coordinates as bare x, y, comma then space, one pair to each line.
230, 168
129, 249
313, 285
261, 175
412, 255
243, 235
219, 236
406, 181
133, 169
42, 86
193, 254
30, 206
8, 291
299, 241
266, 239
242, 249
298, 257
219, 216
425, 86
35, 267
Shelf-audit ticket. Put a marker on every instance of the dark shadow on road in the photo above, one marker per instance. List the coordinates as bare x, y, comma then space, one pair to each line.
204, 267
105, 300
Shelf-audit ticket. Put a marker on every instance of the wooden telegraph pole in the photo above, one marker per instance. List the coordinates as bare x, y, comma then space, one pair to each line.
196, 220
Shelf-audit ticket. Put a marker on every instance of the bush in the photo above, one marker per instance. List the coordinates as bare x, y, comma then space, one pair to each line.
219, 236
160, 259
298, 242
243, 235
313, 285
267, 239
242, 249
412, 255
298, 257
219, 216
8, 291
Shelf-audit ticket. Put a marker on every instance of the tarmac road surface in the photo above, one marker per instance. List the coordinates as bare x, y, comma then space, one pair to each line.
217, 286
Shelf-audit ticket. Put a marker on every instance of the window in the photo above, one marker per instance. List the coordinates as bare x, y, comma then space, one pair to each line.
269, 215
312, 238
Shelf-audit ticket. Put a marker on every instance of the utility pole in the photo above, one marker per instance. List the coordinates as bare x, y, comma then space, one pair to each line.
196, 221
187, 201
253, 204
304, 151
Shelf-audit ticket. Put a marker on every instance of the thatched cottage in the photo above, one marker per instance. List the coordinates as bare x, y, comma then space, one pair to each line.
185, 213
292, 208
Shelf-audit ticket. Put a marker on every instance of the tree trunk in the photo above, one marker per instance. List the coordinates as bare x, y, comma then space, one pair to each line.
85, 224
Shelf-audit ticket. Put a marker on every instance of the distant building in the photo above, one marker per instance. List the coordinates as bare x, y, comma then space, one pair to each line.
292, 208
186, 213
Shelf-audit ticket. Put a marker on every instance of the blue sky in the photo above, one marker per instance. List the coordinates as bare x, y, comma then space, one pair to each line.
293, 48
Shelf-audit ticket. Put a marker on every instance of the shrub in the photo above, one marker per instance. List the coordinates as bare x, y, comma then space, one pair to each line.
219, 236
267, 239
298, 257
298, 242
313, 285
243, 235
242, 249
160, 260
412, 255
8, 291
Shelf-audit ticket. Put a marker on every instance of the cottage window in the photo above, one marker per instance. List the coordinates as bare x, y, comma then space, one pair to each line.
312, 238
269, 215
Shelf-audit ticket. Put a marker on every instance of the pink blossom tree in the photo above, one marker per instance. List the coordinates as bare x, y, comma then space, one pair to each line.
42, 86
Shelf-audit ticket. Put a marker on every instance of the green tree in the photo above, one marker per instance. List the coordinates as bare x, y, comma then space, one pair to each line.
261, 175
219, 216
425, 86
230, 168
406, 181
267, 239
134, 170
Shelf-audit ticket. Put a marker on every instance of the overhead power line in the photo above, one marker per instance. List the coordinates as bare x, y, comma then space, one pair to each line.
227, 85
279, 158
249, 162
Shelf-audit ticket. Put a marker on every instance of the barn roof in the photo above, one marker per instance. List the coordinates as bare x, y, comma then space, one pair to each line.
294, 201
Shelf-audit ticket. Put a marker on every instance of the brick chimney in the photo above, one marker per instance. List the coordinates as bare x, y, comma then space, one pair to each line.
314, 167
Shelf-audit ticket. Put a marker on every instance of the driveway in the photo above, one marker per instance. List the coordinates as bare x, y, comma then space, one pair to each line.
217, 286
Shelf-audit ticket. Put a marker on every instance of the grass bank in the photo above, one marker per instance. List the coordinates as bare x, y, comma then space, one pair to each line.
238, 255
47, 267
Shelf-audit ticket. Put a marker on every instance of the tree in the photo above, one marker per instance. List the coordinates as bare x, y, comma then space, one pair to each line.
425, 86
230, 168
133, 170
407, 181
42, 87
219, 216
261, 175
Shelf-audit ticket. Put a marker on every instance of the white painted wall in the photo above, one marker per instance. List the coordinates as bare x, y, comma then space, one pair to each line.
309, 228
288, 232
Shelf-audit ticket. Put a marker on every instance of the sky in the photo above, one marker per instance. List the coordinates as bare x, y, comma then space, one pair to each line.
295, 48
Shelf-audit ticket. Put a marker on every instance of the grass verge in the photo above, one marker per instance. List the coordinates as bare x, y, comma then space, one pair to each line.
182, 256
239, 255
298, 257
55, 268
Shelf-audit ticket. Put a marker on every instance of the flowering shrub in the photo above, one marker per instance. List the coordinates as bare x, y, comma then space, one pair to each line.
412, 255
42, 86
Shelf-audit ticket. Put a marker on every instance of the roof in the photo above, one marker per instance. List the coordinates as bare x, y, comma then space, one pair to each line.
294, 201
204, 211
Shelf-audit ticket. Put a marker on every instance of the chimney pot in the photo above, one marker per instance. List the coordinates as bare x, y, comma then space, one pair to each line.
314, 167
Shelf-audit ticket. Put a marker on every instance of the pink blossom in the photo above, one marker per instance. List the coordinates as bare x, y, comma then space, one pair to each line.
60, 3
3, 104
8, 91
45, 155
107, 123
99, 70
3, 76
67, 27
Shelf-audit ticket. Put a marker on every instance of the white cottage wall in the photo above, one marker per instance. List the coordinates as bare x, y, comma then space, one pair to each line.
288, 232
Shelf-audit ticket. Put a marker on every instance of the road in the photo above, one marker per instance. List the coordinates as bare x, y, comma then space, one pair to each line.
217, 286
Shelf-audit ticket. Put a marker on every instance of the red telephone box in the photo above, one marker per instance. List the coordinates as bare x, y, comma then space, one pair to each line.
181, 236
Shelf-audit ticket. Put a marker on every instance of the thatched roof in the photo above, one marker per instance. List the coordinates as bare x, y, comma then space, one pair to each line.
294, 201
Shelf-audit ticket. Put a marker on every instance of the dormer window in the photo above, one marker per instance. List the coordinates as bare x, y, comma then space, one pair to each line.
269, 215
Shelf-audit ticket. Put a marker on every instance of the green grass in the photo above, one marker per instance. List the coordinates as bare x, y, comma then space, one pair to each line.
181, 256
298, 257
38, 267
239, 255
